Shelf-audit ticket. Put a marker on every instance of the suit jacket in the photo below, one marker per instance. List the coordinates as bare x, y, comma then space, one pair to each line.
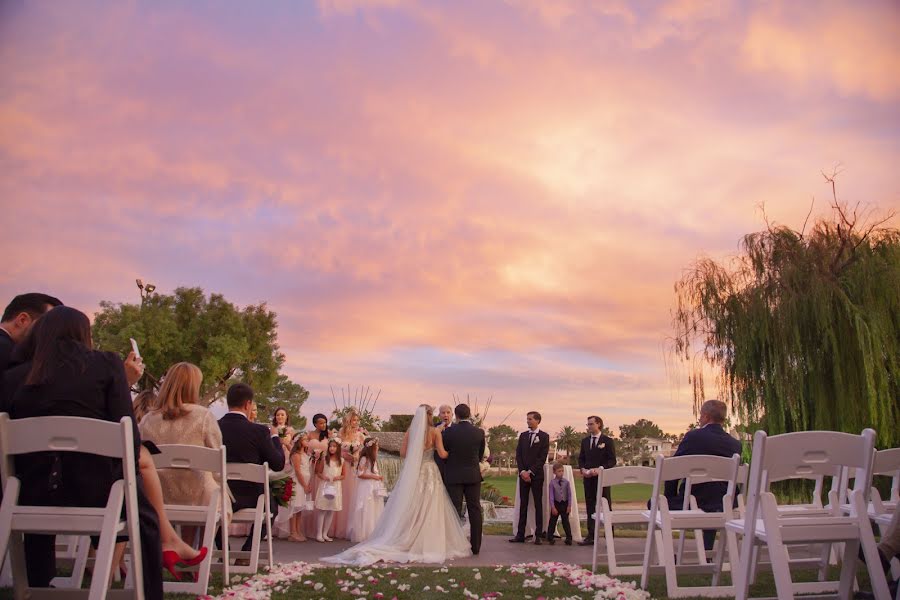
532, 456
96, 389
465, 443
597, 457
252, 443
710, 439
6, 349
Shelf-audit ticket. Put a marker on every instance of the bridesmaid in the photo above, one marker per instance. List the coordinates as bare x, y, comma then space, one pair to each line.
351, 438
281, 427
318, 443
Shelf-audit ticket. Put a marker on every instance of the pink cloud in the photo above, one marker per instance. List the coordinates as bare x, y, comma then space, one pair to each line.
516, 179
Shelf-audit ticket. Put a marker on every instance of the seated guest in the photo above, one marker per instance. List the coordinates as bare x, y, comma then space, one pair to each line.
63, 376
710, 438
144, 403
180, 419
247, 442
17, 320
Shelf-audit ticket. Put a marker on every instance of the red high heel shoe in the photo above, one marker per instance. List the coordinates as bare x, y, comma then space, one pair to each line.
192, 562
170, 559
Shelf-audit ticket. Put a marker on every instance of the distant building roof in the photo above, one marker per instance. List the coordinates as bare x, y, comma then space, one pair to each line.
389, 441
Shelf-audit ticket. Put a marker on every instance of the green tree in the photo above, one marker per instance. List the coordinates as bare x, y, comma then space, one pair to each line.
642, 428
227, 343
284, 393
569, 439
801, 328
633, 450
503, 438
397, 423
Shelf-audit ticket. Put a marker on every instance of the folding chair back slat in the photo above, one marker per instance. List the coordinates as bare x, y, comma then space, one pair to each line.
247, 472
183, 456
887, 464
65, 434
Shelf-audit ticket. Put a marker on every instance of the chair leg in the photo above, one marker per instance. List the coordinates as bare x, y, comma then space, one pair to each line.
649, 547
870, 550
17, 558
734, 559
668, 549
719, 558
778, 554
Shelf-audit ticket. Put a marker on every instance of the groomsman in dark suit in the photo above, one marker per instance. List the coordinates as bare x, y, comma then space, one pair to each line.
597, 450
531, 454
248, 442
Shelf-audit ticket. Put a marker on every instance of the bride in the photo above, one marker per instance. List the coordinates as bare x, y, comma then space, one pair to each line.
419, 523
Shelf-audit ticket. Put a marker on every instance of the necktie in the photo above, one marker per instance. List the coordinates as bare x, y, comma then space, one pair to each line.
593, 442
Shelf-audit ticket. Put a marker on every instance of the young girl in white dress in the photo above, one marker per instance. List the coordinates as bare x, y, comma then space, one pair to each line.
302, 475
330, 471
369, 499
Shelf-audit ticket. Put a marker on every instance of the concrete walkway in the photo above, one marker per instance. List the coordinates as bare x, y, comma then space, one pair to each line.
495, 550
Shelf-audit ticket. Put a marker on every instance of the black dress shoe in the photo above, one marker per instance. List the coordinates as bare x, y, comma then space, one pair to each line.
568, 542
586, 542
516, 540
537, 541
551, 541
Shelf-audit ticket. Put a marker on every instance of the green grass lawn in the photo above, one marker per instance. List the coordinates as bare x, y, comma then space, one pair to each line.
388, 582
629, 492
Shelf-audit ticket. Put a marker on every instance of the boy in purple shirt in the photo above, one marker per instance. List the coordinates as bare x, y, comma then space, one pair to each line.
560, 504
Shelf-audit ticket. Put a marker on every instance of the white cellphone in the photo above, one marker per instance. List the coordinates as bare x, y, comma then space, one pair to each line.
134, 347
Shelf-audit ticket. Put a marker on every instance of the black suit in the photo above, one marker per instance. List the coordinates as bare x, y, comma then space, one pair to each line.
602, 454
462, 474
531, 454
710, 439
97, 389
6, 349
249, 443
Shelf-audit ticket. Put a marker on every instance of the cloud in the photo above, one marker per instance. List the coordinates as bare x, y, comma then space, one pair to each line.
855, 52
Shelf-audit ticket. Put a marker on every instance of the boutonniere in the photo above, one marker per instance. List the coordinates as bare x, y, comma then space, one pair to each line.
602, 445
534, 440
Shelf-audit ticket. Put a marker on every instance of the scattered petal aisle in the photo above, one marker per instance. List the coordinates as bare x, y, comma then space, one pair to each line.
354, 582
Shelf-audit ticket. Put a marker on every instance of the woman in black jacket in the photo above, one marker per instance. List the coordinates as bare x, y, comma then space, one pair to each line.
63, 376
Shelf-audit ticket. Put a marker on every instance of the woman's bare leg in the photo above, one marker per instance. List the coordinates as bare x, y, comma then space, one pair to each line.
153, 489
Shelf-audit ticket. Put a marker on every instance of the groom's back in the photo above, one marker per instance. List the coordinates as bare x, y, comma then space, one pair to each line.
465, 443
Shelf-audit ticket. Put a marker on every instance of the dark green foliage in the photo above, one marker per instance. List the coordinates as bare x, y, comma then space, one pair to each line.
802, 329
226, 342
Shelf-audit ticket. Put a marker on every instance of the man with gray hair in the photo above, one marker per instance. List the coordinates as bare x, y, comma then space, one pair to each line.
709, 438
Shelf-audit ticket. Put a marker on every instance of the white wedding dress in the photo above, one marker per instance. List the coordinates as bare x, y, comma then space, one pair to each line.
419, 523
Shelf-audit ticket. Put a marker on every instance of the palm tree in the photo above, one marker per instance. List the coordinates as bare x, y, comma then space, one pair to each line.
568, 439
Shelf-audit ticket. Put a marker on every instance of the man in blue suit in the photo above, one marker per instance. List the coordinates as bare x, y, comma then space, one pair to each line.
709, 438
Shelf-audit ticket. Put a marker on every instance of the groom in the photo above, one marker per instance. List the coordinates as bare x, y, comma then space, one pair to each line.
462, 475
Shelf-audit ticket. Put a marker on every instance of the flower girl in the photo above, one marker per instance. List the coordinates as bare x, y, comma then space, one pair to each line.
302, 484
330, 470
370, 493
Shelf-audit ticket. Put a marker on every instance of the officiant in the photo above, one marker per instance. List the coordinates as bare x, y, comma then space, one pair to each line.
597, 450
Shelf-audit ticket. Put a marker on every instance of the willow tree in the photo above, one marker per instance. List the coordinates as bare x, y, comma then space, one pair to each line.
802, 328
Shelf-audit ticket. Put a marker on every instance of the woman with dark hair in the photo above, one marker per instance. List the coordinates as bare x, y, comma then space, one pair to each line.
318, 442
63, 376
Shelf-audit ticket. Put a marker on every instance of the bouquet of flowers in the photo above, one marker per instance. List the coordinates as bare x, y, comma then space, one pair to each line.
283, 491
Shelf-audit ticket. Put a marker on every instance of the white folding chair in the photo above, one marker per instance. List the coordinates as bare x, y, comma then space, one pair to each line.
805, 453
608, 518
197, 458
263, 510
71, 434
662, 522
885, 464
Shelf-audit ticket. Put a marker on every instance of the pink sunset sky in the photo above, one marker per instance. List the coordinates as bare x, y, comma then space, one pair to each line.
487, 198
